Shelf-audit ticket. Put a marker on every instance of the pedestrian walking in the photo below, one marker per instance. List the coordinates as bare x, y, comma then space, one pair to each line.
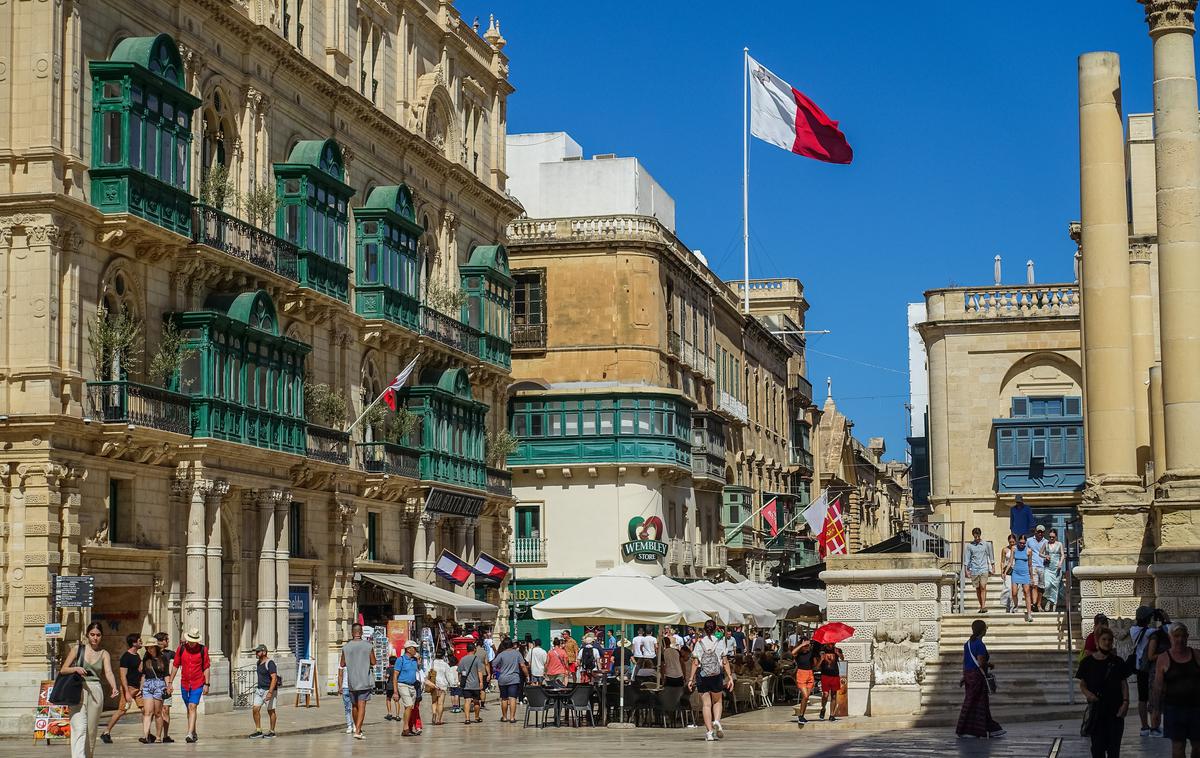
672, 671
571, 649
1006, 569
804, 652
192, 664
154, 670
164, 711
1037, 585
711, 677
391, 700
537, 663
975, 718
358, 658
1140, 634
1103, 682
508, 668
590, 657
831, 679
93, 663
347, 700
441, 678
978, 566
470, 675
556, 664
129, 674
1020, 518
265, 695
1022, 575
1054, 559
404, 678
1177, 693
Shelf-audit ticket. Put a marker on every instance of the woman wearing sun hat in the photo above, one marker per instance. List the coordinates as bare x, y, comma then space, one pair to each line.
155, 669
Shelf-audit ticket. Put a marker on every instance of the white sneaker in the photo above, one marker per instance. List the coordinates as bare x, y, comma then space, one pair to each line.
359, 736
349, 730
720, 731
708, 737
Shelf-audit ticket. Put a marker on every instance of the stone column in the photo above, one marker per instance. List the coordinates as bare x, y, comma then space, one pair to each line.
1141, 301
248, 609
265, 630
1106, 309
423, 558
1158, 440
215, 606
1177, 199
196, 552
283, 508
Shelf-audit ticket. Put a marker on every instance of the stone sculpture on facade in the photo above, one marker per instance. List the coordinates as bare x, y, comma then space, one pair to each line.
897, 652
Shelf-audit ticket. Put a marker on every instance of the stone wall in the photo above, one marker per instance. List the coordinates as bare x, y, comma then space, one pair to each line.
864, 589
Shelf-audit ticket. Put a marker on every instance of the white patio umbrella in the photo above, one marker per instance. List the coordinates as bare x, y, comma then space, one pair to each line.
747, 607
710, 603
620, 595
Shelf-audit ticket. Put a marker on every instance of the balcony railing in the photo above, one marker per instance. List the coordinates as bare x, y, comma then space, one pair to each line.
689, 553
388, 458
716, 556
217, 229
1029, 301
800, 457
707, 464
528, 550
438, 466
802, 385
449, 331
499, 482
675, 550
329, 445
141, 405
529, 336
673, 344
734, 407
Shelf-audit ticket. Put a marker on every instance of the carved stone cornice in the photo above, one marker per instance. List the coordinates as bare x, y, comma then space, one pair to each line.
1170, 16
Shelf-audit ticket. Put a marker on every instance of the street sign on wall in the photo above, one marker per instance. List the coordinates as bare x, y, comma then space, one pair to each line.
74, 591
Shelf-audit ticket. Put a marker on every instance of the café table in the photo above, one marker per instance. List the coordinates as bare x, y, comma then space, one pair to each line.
557, 696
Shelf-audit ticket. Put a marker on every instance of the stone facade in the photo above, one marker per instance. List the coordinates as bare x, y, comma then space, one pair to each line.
217, 533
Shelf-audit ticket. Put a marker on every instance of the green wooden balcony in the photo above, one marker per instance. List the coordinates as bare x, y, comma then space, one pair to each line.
389, 458
323, 275
139, 405
495, 350
378, 301
442, 467
128, 190
449, 331
215, 228
250, 426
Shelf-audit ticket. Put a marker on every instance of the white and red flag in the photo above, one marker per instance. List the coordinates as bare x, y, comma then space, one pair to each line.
784, 116
492, 568
389, 394
452, 568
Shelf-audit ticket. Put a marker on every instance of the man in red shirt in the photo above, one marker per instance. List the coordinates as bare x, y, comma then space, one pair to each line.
192, 659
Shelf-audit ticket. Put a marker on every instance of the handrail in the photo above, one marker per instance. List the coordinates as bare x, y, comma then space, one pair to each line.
217, 229
140, 405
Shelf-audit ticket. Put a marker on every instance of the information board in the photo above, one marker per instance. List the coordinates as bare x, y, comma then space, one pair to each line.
74, 591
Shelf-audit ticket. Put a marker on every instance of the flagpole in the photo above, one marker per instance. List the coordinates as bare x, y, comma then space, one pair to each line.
746, 180
375, 402
733, 529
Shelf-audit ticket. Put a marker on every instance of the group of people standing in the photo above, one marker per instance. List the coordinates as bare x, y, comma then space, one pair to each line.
1033, 564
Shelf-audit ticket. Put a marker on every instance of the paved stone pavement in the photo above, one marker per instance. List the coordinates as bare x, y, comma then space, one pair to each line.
318, 733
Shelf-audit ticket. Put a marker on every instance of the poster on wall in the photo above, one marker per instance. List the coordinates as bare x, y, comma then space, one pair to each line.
51, 723
397, 635
306, 675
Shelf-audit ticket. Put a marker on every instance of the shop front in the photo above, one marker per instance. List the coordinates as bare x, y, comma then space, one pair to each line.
526, 593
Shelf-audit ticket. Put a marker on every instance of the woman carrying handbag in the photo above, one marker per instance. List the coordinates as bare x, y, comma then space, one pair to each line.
91, 662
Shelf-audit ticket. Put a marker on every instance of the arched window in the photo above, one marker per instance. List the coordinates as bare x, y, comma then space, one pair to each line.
141, 133
115, 337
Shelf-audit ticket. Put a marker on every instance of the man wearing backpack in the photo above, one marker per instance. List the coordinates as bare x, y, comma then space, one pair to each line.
191, 658
711, 677
589, 659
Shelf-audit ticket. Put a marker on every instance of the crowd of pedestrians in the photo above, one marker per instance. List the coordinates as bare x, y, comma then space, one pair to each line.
1033, 565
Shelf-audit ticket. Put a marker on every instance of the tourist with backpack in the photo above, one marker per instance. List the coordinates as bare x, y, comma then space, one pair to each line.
1102, 681
191, 664
711, 677
590, 657
1139, 663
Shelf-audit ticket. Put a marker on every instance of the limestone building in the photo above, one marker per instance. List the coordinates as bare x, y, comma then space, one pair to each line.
225, 227
646, 406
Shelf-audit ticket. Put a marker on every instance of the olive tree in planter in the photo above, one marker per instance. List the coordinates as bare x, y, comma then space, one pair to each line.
113, 341
448, 300
325, 406
399, 427
498, 446
216, 187
167, 362
259, 205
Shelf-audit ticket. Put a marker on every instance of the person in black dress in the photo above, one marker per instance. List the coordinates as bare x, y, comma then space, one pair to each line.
1102, 681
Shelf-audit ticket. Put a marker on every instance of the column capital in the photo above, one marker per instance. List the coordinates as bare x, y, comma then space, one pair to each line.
1140, 252
187, 483
273, 497
1170, 16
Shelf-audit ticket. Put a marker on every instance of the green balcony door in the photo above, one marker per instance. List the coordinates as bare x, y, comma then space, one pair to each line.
529, 521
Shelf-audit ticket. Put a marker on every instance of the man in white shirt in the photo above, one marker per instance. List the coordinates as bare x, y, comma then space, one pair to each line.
537, 663
1038, 580
639, 650
649, 646
675, 637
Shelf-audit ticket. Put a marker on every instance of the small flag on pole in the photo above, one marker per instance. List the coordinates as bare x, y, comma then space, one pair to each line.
389, 394
771, 515
492, 568
833, 535
453, 568
814, 513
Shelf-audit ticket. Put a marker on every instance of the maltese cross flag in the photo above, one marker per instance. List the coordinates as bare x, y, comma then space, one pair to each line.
784, 116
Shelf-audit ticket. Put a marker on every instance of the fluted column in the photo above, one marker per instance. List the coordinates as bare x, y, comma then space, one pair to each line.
1107, 353
423, 558
265, 631
215, 607
283, 509
1177, 201
1141, 300
194, 491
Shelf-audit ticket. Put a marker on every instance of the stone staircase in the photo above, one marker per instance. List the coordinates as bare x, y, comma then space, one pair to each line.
1033, 666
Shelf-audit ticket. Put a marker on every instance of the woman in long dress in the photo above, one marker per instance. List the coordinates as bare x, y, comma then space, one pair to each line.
1054, 557
975, 718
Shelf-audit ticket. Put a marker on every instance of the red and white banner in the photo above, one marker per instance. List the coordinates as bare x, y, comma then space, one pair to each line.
833, 534
784, 116
771, 515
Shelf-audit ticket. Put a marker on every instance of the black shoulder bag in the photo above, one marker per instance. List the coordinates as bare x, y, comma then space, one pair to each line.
68, 688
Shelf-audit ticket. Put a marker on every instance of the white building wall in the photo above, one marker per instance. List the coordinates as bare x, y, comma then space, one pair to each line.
918, 372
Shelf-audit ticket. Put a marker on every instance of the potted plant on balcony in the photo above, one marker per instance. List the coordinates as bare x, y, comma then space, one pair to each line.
216, 186
113, 341
398, 427
324, 406
259, 205
498, 446
167, 363
448, 300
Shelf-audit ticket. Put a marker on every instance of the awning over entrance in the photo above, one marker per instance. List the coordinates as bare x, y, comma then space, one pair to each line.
464, 608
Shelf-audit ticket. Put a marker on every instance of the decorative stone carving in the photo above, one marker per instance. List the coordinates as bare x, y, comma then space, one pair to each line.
1140, 252
1170, 15
897, 652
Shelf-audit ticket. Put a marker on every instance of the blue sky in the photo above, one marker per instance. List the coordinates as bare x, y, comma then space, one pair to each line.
963, 118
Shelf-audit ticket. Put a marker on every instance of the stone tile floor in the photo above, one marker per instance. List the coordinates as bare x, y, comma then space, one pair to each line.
318, 732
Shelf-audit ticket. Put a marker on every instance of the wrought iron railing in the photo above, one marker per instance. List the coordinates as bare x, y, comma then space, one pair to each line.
449, 331
529, 336
499, 482
243, 683
329, 445
141, 405
217, 229
528, 550
389, 458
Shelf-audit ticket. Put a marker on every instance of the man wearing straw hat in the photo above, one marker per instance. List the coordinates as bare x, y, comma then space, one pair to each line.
191, 658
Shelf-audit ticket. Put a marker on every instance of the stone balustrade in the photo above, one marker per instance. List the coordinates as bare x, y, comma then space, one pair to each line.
1030, 301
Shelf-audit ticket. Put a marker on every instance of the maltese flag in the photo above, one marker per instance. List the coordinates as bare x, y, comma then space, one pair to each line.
784, 116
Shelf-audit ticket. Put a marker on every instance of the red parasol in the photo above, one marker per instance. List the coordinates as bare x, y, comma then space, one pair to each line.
833, 633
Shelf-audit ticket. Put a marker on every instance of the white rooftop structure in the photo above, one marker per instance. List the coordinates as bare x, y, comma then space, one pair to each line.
549, 175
